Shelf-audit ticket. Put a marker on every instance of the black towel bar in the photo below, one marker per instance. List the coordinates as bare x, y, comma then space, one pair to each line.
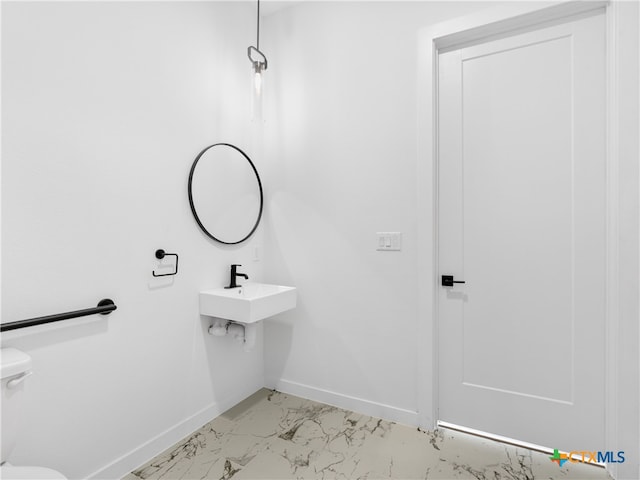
104, 307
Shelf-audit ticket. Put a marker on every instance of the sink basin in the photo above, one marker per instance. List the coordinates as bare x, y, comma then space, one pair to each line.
249, 303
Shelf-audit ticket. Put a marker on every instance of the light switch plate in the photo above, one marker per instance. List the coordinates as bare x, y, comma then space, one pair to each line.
389, 241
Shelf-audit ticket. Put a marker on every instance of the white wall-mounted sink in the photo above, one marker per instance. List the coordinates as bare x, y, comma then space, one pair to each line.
249, 303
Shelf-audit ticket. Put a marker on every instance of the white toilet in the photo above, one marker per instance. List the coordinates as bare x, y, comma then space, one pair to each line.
15, 367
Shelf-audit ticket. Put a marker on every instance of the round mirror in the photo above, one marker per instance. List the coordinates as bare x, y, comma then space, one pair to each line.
225, 193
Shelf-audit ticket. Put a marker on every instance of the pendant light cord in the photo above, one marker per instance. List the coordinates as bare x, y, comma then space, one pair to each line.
258, 65
258, 28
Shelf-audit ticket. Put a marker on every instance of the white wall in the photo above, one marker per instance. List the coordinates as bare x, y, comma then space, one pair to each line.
625, 402
105, 106
341, 145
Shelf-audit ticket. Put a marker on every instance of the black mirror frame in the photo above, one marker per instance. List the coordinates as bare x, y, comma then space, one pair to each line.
193, 207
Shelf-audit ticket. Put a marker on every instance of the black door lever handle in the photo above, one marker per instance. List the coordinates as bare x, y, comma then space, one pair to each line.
448, 281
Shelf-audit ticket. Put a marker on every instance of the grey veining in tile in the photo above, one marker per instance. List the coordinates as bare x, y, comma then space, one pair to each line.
272, 435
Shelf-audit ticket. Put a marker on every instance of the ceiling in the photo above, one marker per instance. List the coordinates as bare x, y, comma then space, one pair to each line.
269, 7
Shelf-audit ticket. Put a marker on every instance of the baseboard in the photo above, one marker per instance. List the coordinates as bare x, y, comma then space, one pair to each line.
145, 452
360, 405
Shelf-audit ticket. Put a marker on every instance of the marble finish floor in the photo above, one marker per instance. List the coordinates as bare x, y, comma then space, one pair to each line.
272, 435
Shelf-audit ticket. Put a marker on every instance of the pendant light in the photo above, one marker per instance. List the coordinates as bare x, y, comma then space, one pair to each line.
259, 65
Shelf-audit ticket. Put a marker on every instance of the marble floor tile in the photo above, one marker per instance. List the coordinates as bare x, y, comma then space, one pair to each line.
272, 435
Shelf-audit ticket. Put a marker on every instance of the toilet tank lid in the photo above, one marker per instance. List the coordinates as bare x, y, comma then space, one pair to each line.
13, 362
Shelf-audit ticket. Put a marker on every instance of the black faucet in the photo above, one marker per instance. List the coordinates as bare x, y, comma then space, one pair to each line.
234, 275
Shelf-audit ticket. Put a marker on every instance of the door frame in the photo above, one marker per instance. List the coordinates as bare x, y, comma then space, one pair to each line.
622, 187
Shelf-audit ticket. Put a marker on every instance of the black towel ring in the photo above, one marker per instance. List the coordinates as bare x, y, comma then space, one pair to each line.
160, 254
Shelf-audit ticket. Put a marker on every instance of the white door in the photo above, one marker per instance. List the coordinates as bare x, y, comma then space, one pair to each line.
521, 220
